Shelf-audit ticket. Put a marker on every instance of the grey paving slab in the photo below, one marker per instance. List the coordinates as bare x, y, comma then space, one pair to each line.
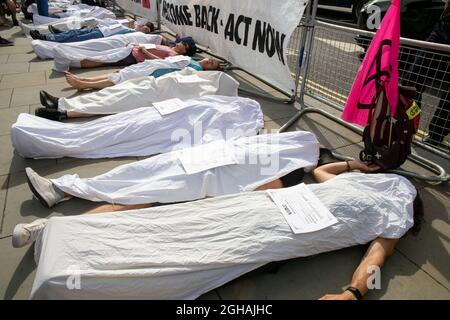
9, 116
3, 58
17, 48
42, 65
22, 57
17, 271
430, 249
13, 68
30, 95
23, 80
11, 162
312, 277
5, 98
21, 206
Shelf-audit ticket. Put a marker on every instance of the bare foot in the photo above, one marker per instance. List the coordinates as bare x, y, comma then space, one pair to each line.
74, 81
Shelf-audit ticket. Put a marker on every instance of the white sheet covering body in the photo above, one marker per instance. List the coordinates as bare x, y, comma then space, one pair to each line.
147, 67
77, 10
110, 49
69, 23
139, 132
141, 92
162, 178
182, 251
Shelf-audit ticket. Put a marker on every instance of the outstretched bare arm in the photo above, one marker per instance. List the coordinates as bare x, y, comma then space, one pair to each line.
380, 249
331, 170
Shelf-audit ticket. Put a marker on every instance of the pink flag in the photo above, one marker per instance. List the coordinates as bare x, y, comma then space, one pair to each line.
379, 68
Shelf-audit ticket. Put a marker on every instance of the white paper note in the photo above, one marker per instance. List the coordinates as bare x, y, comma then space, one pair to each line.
303, 211
178, 58
169, 106
208, 156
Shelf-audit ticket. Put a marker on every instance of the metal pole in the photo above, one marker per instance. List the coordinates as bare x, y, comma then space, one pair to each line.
158, 9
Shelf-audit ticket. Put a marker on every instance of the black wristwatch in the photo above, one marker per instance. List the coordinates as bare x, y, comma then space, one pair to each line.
355, 292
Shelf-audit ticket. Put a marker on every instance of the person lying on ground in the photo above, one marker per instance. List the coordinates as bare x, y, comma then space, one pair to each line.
154, 68
57, 11
111, 49
84, 34
213, 241
139, 132
139, 54
138, 93
262, 160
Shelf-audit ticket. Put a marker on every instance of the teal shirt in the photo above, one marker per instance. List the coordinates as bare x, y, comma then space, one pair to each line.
160, 72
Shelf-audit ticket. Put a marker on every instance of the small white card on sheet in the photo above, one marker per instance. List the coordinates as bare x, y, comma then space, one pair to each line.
207, 156
148, 46
190, 78
169, 106
303, 211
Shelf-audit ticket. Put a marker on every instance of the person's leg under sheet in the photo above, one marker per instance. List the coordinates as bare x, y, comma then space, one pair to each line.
163, 178
75, 35
139, 132
133, 94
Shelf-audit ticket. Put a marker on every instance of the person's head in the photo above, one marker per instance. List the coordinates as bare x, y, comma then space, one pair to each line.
146, 28
418, 214
209, 64
187, 48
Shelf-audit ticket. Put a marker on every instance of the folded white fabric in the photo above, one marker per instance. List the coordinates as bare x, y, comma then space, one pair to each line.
147, 67
182, 251
141, 92
139, 132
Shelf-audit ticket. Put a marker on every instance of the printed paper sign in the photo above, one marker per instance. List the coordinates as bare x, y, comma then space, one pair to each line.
303, 211
169, 106
208, 156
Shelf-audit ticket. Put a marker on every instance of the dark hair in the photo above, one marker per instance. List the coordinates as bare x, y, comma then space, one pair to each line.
151, 26
418, 214
191, 48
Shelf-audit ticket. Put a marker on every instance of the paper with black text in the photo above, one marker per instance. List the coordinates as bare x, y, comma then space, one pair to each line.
303, 211
169, 106
208, 156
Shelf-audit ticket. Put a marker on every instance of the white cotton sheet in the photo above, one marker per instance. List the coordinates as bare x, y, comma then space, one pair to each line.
112, 48
76, 10
147, 67
141, 92
139, 132
162, 178
182, 251
69, 23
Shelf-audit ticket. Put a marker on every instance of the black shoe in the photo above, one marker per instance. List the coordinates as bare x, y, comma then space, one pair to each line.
5, 43
54, 30
36, 35
48, 100
51, 114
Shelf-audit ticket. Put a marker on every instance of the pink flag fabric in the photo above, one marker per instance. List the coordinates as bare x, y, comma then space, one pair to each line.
379, 68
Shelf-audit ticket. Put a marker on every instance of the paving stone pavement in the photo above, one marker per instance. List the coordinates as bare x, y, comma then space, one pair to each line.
419, 269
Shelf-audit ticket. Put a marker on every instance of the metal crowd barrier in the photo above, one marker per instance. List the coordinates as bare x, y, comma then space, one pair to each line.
326, 57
